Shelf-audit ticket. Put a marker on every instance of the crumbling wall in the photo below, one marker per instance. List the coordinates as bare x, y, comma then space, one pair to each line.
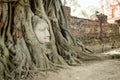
88, 29
85, 29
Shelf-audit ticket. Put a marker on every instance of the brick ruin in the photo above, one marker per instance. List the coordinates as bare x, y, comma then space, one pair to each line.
85, 29
88, 31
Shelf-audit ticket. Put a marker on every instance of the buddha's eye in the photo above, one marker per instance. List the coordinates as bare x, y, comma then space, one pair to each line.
42, 29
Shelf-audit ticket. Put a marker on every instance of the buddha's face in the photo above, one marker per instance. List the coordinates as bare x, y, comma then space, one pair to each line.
42, 33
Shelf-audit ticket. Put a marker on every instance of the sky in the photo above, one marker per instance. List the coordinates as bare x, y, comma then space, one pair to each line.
85, 3
86, 7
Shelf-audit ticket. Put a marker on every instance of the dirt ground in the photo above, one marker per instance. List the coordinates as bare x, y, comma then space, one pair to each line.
92, 70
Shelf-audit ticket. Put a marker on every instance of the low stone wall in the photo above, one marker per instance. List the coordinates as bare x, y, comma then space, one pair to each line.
85, 29
88, 31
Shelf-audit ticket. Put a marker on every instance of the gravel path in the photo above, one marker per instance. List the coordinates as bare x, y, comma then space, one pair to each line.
93, 70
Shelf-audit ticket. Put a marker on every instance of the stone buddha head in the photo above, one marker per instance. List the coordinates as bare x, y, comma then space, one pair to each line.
41, 29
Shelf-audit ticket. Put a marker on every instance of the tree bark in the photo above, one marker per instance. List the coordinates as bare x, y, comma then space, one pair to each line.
21, 53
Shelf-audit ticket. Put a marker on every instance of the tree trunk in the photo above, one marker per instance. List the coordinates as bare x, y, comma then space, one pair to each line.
21, 52
101, 31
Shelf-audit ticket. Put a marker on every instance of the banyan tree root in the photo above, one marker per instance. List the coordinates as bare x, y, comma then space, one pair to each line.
22, 53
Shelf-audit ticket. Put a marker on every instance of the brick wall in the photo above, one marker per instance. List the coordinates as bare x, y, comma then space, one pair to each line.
85, 29
67, 12
89, 29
